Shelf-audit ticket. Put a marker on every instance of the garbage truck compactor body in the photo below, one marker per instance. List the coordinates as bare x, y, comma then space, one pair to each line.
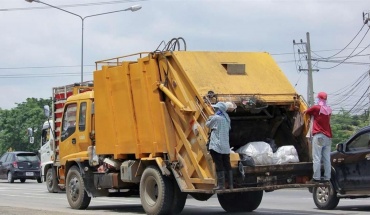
140, 130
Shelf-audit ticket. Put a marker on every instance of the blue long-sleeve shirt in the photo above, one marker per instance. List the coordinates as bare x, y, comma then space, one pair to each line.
219, 140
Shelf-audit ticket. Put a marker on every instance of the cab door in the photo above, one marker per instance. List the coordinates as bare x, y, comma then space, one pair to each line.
84, 125
75, 128
353, 166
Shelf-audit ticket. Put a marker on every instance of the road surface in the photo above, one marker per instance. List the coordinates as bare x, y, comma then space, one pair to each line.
32, 198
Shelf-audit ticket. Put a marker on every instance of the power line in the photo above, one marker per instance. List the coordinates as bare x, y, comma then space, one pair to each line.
70, 5
71, 66
342, 89
359, 55
348, 43
42, 67
351, 52
324, 50
340, 62
367, 90
340, 98
57, 75
347, 98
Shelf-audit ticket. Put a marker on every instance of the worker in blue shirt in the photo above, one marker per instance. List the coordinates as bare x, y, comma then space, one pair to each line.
219, 146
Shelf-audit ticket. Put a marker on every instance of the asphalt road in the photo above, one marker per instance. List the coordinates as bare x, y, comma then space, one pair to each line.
32, 198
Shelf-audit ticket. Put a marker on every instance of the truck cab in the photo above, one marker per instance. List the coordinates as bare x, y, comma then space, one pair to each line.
76, 125
61, 127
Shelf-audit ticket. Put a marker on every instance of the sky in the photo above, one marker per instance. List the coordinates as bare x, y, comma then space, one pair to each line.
41, 46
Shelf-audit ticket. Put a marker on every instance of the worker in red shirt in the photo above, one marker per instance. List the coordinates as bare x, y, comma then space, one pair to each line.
321, 137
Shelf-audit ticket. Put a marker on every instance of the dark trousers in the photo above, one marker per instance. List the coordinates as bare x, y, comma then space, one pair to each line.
222, 161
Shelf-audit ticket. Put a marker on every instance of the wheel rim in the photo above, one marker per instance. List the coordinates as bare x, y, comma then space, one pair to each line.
322, 194
74, 188
151, 191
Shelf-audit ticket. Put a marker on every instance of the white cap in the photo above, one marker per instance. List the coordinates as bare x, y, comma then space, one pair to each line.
231, 106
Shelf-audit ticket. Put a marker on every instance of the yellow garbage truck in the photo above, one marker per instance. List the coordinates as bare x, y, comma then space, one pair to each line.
139, 129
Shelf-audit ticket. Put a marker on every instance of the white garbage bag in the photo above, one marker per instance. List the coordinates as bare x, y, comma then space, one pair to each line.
285, 154
260, 151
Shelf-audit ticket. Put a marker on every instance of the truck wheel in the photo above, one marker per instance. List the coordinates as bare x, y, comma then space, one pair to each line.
156, 192
10, 177
51, 181
179, 199
240, 202
75, 190
22, 180
39, 180
325, 198
201, 196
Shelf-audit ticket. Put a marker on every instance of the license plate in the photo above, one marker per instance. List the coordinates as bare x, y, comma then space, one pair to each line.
29, 173
267, 180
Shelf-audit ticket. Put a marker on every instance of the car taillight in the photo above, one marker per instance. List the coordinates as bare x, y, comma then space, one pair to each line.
15, 164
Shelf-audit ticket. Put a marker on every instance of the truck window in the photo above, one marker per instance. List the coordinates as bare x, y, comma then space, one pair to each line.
82, 117
360, 143
69, 121
45, 135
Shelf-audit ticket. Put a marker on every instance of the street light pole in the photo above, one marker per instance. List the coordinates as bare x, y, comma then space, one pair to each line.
132, 8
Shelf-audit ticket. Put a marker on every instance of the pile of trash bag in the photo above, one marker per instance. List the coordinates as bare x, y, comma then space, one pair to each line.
261, 153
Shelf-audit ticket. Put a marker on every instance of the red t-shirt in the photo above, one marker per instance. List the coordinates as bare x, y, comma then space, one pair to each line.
321, 122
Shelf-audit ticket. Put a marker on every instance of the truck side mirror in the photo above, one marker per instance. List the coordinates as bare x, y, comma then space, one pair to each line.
46, 111
340, 148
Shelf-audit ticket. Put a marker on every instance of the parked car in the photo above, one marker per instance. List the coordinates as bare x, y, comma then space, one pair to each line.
20, 165
350, 176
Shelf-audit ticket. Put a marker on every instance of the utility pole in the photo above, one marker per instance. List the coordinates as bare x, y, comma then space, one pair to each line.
309, 74
309, 69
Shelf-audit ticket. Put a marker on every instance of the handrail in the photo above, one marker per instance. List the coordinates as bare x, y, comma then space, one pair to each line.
116, 60
171, 96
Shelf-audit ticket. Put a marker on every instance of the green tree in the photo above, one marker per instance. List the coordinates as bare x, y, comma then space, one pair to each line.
14, 124
344, 125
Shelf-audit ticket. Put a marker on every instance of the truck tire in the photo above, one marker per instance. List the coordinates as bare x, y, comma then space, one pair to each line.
51, 181
201, 196
240, 202
75, 190
22, 180
156, 192
179, 199
325, 198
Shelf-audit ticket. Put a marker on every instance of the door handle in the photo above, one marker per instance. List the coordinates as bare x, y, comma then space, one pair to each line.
73, 140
